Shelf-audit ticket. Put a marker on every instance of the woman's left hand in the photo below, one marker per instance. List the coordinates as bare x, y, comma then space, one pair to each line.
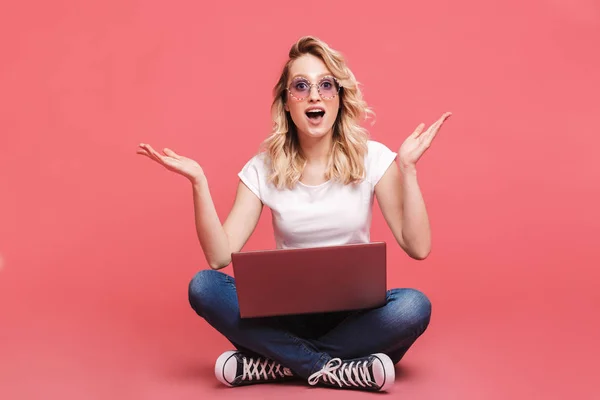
418, 142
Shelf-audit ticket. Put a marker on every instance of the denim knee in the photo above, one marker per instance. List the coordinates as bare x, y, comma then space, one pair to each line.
412, 308
202, 288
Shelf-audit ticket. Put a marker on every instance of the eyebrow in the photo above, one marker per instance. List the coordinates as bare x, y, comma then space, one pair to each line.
305, 77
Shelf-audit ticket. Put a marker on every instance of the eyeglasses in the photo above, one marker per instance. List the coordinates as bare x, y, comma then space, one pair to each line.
328, 87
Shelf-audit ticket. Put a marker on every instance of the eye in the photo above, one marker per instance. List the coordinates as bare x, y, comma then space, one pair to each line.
327, 83
300, 85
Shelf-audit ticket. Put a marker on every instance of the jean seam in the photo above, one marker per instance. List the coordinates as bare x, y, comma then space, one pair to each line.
298, 341
321, 361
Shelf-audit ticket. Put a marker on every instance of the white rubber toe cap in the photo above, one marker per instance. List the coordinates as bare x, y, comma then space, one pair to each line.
226, 368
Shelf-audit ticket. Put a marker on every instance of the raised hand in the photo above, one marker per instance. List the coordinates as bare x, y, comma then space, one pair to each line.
173, 162
418, 142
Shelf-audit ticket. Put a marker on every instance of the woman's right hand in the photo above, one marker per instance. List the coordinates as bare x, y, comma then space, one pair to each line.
173, 162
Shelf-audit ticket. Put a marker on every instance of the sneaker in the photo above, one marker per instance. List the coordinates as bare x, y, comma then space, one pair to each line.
234, 368
373, 373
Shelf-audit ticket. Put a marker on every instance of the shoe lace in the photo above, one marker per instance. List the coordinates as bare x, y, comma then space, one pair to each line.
263, 368
353, 373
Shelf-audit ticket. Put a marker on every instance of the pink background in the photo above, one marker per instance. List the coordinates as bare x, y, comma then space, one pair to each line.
98, 244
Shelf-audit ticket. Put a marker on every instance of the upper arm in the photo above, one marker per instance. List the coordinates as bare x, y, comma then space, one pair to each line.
388, 192
243, 217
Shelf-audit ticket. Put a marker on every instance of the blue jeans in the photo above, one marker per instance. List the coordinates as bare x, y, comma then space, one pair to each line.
305, 343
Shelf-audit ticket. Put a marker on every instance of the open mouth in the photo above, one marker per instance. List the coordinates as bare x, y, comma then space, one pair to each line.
315, 115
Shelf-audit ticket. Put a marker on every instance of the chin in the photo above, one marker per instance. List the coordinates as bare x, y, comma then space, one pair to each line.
317, 132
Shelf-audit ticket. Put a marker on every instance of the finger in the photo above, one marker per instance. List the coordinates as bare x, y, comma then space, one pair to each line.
151, 157
167, 162
433, 130
429, 134
442, 119
144, 147
156, 155
436, 126
171, 153
418, 130
150, 149
143, 150
428, 137
146, 153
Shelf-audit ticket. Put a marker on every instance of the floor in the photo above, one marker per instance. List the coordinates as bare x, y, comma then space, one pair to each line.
136, 344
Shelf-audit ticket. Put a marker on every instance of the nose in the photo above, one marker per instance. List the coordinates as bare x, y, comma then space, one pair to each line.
314, 94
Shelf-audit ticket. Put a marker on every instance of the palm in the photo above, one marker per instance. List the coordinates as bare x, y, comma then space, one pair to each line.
173, 161
418, 142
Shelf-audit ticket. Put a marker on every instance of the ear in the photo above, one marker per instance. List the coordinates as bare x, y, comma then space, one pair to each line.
285, 107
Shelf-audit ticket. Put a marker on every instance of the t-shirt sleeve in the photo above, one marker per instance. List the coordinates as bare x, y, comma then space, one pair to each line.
252, 174
379, 159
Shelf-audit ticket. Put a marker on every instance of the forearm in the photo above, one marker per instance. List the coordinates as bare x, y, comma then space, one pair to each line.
212, 236
416, 231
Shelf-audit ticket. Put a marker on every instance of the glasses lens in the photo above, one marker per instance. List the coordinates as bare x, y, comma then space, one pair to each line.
300, 88
328, 87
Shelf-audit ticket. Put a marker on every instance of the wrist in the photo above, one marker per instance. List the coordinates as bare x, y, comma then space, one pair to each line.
198, 181
407, 169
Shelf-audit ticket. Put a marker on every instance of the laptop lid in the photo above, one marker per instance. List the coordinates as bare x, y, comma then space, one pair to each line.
310, 280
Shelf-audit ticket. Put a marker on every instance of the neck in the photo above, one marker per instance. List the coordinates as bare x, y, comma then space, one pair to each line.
315, 150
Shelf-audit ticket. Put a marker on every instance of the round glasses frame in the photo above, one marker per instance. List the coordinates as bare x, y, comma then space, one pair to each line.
318, 85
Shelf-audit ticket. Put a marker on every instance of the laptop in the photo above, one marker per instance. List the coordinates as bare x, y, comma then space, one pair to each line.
310, 280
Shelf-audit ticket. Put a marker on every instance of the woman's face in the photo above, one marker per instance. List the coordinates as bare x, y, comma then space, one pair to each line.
313, 113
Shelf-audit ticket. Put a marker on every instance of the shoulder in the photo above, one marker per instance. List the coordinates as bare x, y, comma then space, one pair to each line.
374, 147
377, 160
258, 162
254, 173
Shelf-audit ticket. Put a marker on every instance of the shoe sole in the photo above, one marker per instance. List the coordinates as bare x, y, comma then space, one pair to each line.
220, 367
388, 368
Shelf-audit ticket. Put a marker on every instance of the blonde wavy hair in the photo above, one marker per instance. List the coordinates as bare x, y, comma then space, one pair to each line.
346, 161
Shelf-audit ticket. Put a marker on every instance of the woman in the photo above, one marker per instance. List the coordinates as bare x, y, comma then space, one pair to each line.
318, 174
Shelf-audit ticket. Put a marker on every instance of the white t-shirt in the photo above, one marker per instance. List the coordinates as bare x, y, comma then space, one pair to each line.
324, 215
